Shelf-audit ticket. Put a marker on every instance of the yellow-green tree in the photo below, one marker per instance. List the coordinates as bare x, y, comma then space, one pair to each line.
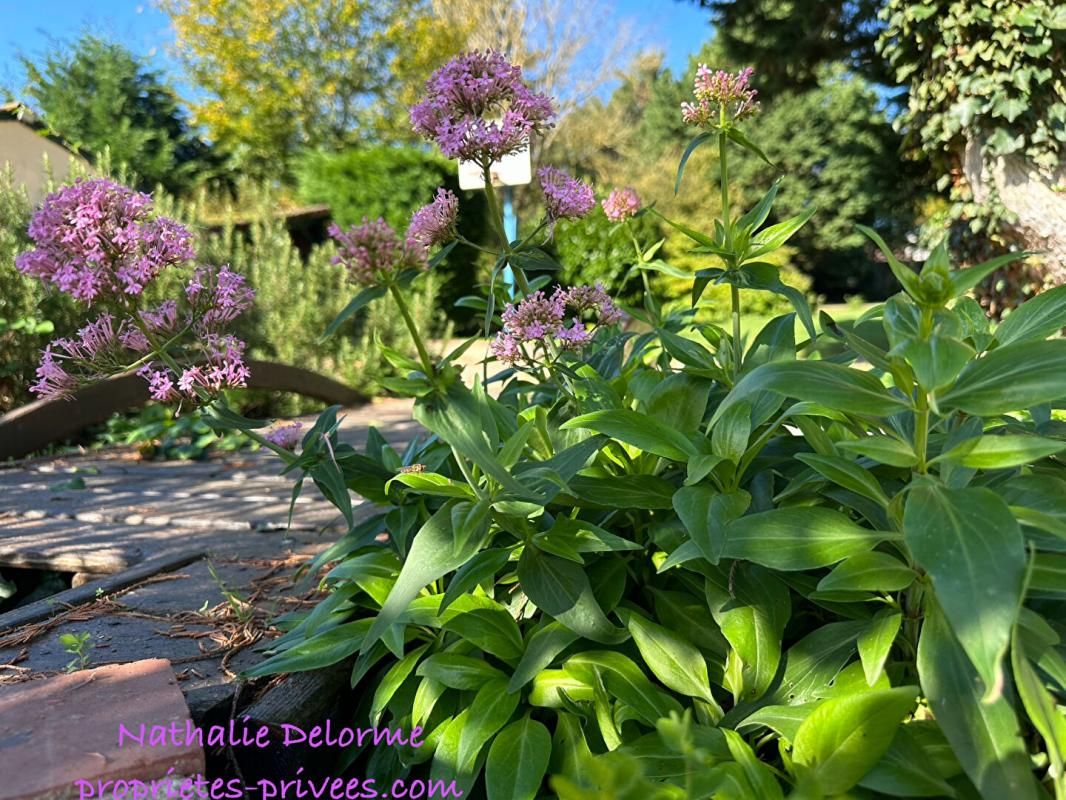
278, 75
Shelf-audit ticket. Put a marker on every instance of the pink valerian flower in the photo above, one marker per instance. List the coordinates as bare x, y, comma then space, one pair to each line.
714, 90
286, 434
160, 383
220, 367
434, 224
53, 380
373, 253
595, 299
621, 204
478, 108
218, 296
96, 238
565, 197
556, 322
69, 363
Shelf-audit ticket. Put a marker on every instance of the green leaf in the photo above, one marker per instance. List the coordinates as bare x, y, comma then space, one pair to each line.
844, 737
705, 514
357, 303
490, 710
457, 418
883, 449
868, 572
671, 658
543, 647
624, 491
971, 546
696, 142
797, 538
846, 473
479, 568
1039, 705
323, 650
831, 385
906, 771
785, 721
518, 761
729, 437
876, 642
1035, 319
1010, 378
625, 681
966, 279
534, 260
776, 235
393, 680
639, 430
738, 136
760, 777
938, 360
459, 672
433, 555
752, 618
906, 276
491, 629
1002, 451
983, 734
814, 662
760, 211
561, 589
433, 484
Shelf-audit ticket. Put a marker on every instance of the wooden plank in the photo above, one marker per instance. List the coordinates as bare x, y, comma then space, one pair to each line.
68, 546
57, 603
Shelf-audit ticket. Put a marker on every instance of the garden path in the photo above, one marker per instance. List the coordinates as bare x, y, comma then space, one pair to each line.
215, 528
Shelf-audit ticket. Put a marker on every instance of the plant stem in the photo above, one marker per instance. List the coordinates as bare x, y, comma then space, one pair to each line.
921, 416
405, 312
921, 430
738, 349
496, 215
734, 291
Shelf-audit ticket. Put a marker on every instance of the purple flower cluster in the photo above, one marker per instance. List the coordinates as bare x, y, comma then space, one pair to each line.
621, 204
556, 322
98, 238
434, 223
286, 434
373, 252
98, 241
478, 108
565, 197
715, 90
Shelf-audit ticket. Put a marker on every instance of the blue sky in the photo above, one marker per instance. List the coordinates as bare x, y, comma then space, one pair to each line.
677, 28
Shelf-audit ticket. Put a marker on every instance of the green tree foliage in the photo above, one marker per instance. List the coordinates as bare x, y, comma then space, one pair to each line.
987, 109
280, 75
101, 97
384, 181
788, 41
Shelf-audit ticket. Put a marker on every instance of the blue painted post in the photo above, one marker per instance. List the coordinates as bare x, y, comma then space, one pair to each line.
510, 227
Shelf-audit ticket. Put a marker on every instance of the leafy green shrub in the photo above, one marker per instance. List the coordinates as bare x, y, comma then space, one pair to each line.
674, 567
669, 565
